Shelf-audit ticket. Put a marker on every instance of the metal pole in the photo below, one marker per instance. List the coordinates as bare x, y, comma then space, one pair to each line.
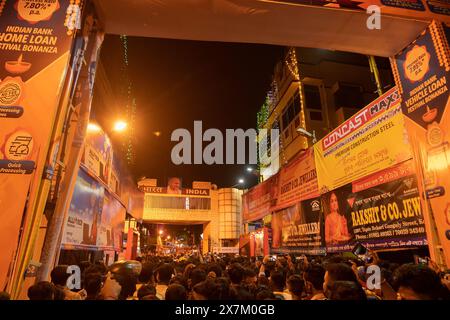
50, 250
376, 74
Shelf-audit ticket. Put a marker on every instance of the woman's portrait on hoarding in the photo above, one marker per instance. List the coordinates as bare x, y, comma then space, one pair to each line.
336, 228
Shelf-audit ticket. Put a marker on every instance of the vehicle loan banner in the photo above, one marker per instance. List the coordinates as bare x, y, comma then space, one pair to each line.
422, 71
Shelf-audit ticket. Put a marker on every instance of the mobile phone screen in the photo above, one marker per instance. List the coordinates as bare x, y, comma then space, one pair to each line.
359, 250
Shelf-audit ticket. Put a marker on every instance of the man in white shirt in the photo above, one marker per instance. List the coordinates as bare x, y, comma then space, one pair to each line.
163, 275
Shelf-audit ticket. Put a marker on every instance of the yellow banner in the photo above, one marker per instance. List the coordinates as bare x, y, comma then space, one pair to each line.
380, 143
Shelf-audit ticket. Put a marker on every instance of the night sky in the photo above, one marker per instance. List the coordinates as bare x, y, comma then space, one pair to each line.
176, 82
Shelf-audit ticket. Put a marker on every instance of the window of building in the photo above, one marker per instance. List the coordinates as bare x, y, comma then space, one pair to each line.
312, 97
184, 203
291, 111
348, 96
313, 102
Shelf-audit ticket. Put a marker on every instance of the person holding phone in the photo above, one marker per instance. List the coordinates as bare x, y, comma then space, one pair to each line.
336, 230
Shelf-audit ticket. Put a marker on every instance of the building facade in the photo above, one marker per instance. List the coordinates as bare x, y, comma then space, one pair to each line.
217, 210
316, 90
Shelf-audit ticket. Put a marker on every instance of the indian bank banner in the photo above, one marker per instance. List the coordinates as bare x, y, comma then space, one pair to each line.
381, 211
372, 140
422, 72
34, 54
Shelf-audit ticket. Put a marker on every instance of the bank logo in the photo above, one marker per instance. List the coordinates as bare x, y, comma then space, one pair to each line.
10, 92
315, 205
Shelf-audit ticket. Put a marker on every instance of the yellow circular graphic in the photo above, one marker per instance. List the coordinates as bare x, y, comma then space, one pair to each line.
435, 135
34, 11
19, 146
10, 92
417, 63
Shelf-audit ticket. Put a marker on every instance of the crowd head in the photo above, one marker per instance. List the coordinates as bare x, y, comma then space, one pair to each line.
213, 277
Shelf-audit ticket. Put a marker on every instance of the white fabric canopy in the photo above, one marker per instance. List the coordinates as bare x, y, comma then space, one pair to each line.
253, 21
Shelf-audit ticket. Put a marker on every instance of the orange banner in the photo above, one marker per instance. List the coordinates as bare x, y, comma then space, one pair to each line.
34, 52
422, 71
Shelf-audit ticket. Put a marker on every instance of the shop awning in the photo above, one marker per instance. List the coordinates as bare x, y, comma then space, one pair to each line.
253, 21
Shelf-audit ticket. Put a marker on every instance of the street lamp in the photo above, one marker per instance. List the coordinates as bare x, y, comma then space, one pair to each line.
253, 171
240, 182
120, 126
161, 232
308, 134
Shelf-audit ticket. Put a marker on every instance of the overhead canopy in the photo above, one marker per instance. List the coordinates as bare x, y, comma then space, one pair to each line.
253, 21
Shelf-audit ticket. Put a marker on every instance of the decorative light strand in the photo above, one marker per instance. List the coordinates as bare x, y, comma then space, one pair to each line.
73, 16
441, 44
2, 5
130, 104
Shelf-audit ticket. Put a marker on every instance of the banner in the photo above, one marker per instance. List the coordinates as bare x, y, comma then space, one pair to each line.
372, 140
115, 184
259, 200
299, 229
420, 9
386, 215
298, 180
85, 214
422, 74
97, 156
34, 52
183, 191
112, 223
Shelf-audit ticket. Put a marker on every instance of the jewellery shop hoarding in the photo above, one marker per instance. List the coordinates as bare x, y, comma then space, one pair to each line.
34, 54
295, 182
382, 211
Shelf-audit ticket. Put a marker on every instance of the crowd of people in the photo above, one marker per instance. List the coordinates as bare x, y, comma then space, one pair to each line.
241, 278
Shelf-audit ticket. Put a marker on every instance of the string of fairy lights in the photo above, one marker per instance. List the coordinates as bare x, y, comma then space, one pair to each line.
272, 99
130, 104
